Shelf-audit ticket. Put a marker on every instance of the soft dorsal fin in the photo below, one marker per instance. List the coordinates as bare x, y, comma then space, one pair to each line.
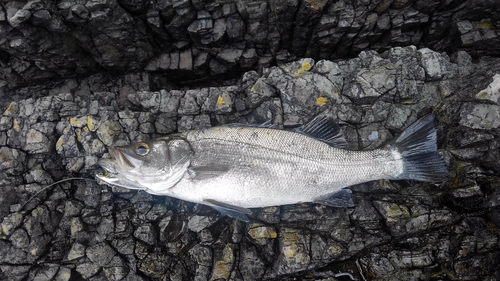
323, 128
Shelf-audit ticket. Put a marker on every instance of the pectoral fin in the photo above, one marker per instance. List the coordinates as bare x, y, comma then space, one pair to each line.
207, 171
340, 199
234, 212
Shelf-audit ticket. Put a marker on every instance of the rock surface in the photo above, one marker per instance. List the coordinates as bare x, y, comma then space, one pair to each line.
46, 45
399, 230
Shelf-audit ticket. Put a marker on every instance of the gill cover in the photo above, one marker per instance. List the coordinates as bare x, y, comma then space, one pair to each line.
155, 165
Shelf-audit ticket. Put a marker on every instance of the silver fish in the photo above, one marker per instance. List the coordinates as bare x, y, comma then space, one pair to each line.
234, 168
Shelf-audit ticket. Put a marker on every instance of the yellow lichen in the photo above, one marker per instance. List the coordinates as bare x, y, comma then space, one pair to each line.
335, 249
90, 123
222, 268
16, 126
220, 100
9, 108
75, 122
395, 212
482, 95
306, 66
59, 143
289, 251
255, 88
262, 232
486, 24
321, 101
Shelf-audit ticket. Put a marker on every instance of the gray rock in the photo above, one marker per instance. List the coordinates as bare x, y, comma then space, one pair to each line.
19, 17
480, 116
294, 252
435, 65
398, 229
77, 251
203, 258
193, 122
492, 92
100, 254
146, 233
165, 125
169, 102
64, 274
155, 265
191, 101
109, 132
12, 161
87, 270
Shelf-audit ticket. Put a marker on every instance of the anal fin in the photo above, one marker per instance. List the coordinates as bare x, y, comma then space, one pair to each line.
339, 199
234, 212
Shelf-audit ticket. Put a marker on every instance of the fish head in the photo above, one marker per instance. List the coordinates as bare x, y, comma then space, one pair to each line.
153, 165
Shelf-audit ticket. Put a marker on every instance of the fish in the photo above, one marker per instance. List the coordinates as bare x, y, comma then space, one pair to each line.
233, 168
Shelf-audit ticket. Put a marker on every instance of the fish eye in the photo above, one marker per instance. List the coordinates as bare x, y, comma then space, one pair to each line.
142, 149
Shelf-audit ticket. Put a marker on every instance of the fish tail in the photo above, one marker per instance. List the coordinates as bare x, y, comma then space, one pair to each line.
417, 146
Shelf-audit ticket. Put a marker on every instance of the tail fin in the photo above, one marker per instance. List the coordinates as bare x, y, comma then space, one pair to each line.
417, 145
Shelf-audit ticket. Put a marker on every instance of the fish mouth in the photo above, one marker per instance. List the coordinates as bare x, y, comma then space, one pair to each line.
116, 167
118, 160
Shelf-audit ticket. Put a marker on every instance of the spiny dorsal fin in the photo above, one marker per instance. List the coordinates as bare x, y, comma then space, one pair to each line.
323, 128
267, 124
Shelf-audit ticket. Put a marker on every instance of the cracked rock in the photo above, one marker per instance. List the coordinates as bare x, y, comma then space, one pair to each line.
397, 230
